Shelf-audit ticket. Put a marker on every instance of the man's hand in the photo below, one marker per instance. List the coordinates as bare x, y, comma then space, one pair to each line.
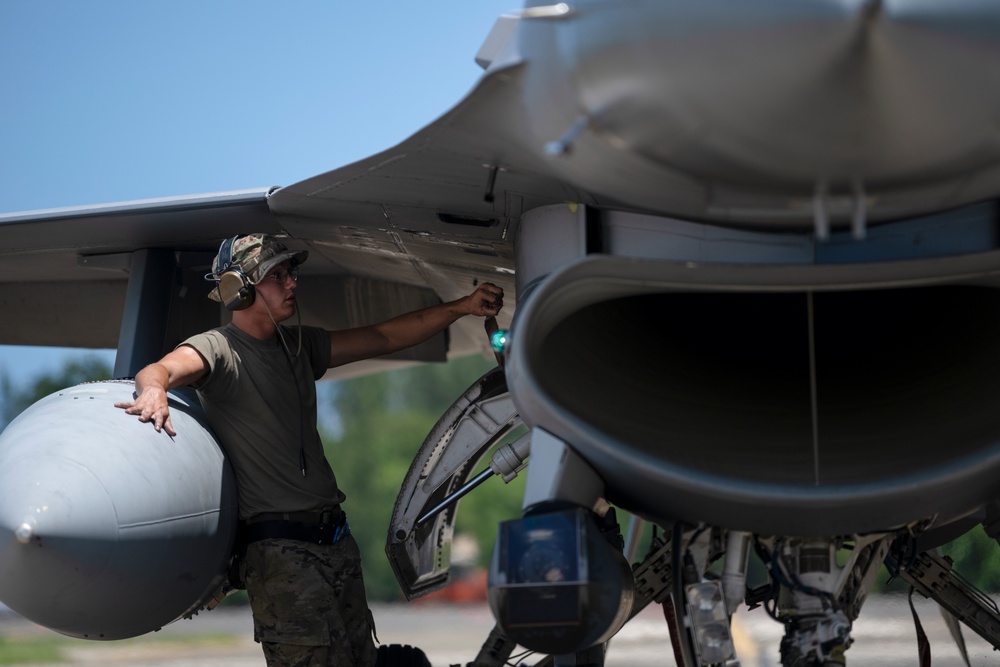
486, 301
399, 333
182, 366
151, 406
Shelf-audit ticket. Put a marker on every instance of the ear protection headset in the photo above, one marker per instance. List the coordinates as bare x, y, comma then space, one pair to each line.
234, 287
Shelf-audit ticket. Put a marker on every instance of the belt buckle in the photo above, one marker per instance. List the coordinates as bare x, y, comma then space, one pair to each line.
327, 531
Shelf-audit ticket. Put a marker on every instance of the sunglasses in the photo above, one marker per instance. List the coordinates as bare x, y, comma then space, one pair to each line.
281, 276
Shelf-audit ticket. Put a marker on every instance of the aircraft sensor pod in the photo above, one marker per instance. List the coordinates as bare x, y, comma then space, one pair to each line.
556, 584
100, 514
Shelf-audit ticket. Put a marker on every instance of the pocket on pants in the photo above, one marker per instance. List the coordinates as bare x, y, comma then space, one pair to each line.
286, 598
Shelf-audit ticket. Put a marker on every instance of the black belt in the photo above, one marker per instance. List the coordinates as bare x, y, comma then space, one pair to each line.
322, 516
326, 527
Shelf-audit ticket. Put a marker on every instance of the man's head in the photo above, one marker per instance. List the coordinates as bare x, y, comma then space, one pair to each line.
242, 262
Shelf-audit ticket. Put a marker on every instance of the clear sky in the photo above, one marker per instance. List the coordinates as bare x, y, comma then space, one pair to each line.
116, 100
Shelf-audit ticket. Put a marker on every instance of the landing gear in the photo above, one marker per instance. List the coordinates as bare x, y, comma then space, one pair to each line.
818, 598
931, 575
816, 641
699, 573
817, 631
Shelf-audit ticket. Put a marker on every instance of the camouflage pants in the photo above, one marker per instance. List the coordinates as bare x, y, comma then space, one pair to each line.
309, 604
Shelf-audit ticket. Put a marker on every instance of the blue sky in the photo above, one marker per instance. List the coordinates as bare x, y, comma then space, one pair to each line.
115, 100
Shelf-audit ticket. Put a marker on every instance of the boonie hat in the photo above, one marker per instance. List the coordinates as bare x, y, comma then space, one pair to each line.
255, 255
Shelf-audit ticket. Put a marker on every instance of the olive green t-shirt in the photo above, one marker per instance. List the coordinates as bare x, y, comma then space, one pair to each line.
265, 416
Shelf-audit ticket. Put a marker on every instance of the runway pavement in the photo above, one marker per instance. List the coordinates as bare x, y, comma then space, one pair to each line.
452, 635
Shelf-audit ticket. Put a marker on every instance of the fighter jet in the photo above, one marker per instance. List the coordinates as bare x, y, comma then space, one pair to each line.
753, 254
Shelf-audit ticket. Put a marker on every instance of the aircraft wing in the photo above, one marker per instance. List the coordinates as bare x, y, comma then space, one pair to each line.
422, 222
65, 271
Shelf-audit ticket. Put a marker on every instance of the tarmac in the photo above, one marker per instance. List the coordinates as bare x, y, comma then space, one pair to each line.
884, 636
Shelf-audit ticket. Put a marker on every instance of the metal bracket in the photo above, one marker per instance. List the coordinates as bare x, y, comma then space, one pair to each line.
933, 576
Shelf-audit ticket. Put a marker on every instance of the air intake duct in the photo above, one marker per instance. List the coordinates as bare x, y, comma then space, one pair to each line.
748, 400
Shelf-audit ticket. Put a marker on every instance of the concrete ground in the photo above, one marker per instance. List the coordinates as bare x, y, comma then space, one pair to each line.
452, 635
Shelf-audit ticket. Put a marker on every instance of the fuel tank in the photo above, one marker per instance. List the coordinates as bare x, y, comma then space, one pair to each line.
788, 400
109, 529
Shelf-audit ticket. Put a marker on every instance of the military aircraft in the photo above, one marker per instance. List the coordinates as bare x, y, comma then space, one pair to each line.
751, 249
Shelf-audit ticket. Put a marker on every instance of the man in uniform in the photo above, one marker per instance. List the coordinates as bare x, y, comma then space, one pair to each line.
256, 381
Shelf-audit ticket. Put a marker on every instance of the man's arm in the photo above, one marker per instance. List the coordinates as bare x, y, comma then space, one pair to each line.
412, 328
180, 367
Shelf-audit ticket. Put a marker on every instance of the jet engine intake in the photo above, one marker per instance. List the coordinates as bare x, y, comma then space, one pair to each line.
791, 401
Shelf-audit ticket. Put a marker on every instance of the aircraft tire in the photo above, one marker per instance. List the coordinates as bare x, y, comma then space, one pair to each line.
401, 655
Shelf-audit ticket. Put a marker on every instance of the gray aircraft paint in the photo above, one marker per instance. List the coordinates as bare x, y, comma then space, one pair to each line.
717, 157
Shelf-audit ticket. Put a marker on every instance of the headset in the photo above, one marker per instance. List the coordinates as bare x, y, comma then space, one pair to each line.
235, 289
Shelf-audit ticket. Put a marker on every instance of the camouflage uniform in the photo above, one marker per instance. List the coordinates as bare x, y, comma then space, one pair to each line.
259, 397
309, 605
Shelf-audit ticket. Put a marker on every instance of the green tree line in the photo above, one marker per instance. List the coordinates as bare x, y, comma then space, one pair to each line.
380, 421
383, 421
